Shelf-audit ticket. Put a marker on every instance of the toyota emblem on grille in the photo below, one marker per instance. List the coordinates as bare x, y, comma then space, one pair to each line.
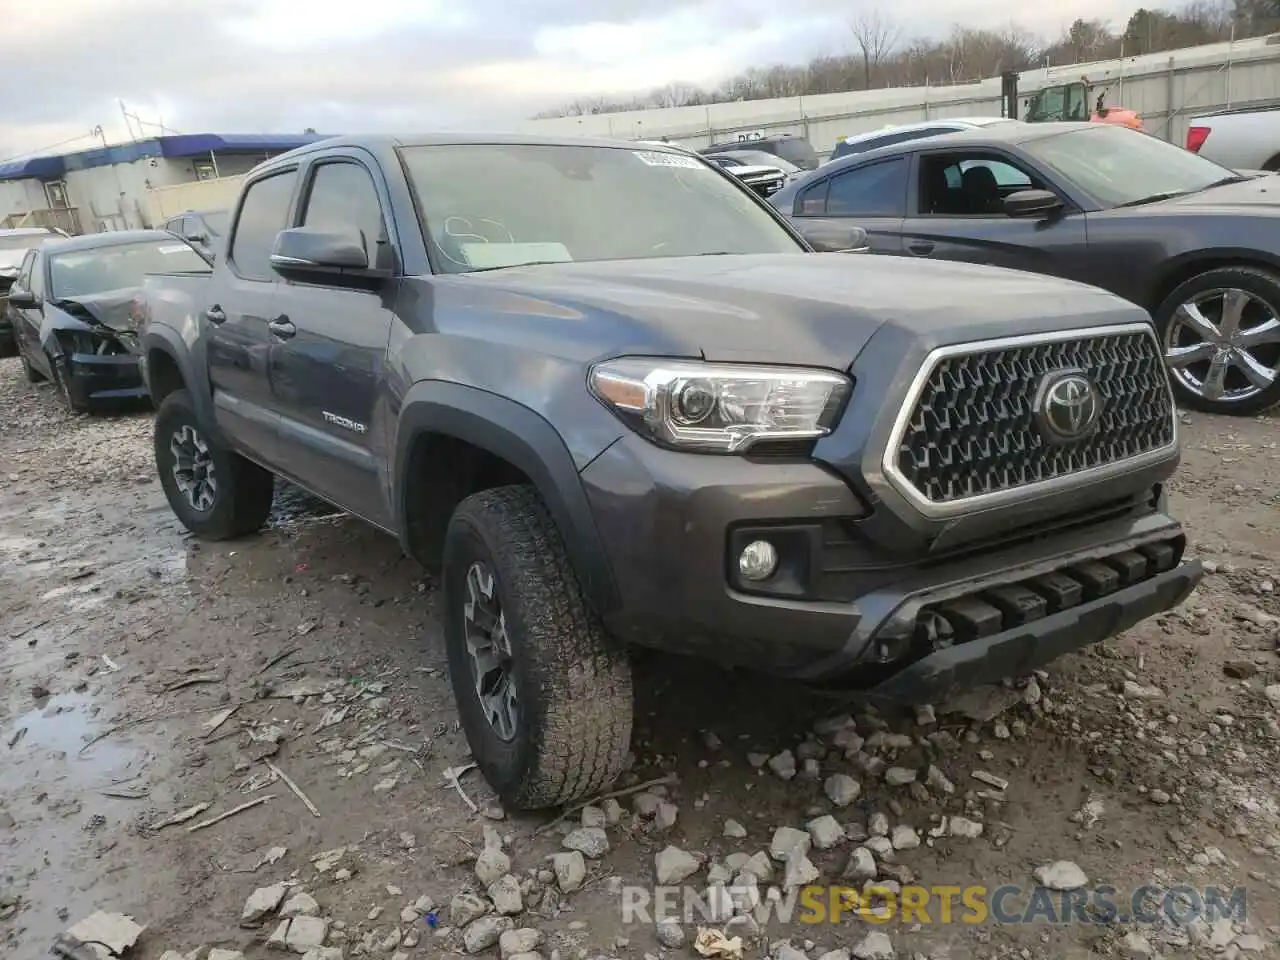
1068, 406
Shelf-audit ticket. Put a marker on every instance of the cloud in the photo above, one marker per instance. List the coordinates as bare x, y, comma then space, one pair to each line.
383, 65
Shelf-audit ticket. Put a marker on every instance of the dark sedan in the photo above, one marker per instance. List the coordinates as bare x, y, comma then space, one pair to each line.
1197, 244
72, 310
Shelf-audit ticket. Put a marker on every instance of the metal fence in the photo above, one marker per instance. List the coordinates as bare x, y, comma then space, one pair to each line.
1165, 89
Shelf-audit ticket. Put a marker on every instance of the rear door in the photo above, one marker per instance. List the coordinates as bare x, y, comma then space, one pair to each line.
327, 361
953, 218
242, 303
872, 196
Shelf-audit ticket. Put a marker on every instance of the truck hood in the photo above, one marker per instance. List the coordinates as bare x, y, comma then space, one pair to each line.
816, 309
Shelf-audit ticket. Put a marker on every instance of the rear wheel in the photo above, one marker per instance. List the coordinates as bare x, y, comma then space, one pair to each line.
543, 692
216, 493
1221, 336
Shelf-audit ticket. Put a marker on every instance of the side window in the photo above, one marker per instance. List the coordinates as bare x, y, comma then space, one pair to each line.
957, 185
343, 196
877, 190
23, 279
37, 274
263, 214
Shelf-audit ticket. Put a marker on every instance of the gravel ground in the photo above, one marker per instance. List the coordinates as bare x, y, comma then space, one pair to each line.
146, 675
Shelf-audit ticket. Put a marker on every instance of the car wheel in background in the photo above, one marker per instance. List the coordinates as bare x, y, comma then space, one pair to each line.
216, 493
1221, 336
543, 691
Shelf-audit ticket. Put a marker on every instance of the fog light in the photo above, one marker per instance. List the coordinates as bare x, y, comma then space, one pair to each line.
758, 560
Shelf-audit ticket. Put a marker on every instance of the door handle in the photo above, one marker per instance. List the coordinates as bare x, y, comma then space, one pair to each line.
921, 248
215, 315
282, 327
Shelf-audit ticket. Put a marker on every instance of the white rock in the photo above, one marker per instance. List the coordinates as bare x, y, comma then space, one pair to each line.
570, 870
785, 951
612, 811
878, 825
734, 830
899, 776
1061, 875
316, 953
840, 953
825, 832
938, 782
216, 953
964, 827
262, 901
484, 933
904, 837
513, 942
841, 789
1134, 946
783, 765
787, 839
1273, 693
800, 872
669, 933
591, 842
466, 907
665, 818
1136, 691
301, 904
874, 946
592, 817
491, 865
861, 866
306, 933
673, 865
505, 894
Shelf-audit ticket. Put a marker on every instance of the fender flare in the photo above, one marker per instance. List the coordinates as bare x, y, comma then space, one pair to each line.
169, 343
520, 436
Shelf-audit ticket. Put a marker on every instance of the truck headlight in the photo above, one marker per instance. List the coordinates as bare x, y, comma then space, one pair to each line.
719, 408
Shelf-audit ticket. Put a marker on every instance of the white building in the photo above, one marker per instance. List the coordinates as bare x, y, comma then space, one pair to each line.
108, 188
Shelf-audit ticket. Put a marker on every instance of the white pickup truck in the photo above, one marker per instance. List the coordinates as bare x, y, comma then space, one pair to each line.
1245, 139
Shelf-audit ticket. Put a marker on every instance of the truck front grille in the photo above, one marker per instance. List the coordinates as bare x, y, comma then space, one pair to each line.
973, 431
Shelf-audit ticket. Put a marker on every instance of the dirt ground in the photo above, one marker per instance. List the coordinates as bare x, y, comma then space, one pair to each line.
1153, 759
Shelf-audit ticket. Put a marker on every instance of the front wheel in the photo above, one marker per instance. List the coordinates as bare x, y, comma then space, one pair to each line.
543, 691
216, 493
1221, 336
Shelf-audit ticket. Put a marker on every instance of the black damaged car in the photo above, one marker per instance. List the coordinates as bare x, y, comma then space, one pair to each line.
73, 313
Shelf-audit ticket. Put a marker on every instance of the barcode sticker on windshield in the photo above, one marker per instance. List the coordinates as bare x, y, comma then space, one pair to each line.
173, 248
655, 159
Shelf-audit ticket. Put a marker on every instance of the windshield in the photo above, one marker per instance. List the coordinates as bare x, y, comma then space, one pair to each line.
502, 205
217, 222
1119, 166
83, 273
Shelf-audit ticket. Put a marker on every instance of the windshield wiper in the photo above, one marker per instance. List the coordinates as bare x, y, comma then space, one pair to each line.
1154, 198
1225, 181
513, 266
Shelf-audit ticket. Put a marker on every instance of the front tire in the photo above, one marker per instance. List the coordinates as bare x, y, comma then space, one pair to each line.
1220, 332
215, 493
543, 691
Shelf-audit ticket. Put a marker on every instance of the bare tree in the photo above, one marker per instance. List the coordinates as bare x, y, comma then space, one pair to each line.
875, 35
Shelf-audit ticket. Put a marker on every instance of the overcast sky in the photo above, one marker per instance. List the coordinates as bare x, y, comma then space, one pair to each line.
257, 66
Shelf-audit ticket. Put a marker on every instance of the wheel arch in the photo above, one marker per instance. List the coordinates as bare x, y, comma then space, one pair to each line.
168, 368
1181, 269
456, 440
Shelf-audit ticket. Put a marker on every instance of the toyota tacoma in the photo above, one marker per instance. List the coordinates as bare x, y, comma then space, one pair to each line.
614, 400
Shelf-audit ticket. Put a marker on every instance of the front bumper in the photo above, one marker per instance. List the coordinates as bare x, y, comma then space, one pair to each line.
671, 522
92, 379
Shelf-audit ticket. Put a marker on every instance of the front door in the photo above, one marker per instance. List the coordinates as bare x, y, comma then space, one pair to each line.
241, 304
873, 196
28, 320
330, 346
957, 213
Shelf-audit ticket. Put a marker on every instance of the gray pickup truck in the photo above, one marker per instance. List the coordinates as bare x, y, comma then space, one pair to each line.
614, 400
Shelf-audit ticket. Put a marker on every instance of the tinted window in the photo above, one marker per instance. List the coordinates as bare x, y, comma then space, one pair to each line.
878, 190
949, 186
343, 196
263, 214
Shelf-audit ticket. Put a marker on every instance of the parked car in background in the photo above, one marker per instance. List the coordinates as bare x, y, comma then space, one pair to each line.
1245, 139
14, 244
72, 310
756, 158
1196, 244
203, 229
765, 181
788, 146
692, 433
901, 133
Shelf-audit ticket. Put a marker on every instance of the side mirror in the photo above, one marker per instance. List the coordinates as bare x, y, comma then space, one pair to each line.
23, 299
311, 250
826, 236
1029, 204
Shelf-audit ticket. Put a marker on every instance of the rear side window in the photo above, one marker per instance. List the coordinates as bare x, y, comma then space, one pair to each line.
264, 212
876, 190
797, 151
343, 196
